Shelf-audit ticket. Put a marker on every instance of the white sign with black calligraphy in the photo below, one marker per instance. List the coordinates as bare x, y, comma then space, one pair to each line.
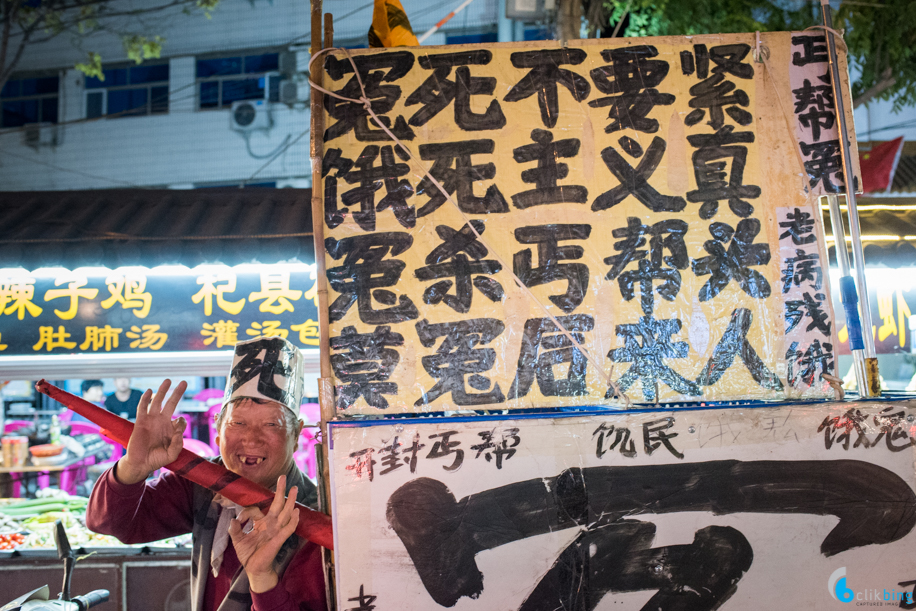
799, 507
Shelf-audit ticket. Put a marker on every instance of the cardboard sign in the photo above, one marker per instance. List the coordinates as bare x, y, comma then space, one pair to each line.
800, 507
643, 191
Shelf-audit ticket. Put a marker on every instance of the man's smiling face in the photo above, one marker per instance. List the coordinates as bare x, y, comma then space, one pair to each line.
255, 440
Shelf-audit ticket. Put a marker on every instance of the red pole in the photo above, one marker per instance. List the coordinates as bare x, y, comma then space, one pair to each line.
313, 525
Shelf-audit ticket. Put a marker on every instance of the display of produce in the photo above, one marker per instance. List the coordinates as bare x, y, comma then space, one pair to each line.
29, 524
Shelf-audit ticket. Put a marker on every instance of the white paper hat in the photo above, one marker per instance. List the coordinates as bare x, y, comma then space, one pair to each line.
268, 368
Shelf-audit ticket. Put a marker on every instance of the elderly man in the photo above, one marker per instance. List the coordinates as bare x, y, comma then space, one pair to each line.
242, 559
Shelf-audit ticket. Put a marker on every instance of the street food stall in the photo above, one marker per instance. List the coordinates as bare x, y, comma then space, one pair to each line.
170, 305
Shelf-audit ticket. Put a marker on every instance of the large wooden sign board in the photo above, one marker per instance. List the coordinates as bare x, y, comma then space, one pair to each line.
799, 507
655, 195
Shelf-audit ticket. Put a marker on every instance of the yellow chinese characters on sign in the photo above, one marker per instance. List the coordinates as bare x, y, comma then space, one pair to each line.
130, 292
631, 187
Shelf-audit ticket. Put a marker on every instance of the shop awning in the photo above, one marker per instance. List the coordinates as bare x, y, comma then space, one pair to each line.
888, 228
128, 227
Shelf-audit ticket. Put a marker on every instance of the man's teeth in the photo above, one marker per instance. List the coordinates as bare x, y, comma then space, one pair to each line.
248, 460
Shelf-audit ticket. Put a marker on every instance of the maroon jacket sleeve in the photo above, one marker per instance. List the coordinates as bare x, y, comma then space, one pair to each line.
302, 586
142, 512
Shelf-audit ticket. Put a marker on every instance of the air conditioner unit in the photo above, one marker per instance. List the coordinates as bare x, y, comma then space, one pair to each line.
39, 134
250, 115
289, 92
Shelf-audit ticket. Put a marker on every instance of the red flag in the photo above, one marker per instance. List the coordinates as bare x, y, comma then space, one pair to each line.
879, 165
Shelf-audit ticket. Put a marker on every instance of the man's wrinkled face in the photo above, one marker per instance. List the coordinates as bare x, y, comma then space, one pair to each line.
255, 441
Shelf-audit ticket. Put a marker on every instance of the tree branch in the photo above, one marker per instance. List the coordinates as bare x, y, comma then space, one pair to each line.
884, 83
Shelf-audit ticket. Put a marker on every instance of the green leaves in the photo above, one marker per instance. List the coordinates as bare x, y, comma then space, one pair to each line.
139, 47
93, 67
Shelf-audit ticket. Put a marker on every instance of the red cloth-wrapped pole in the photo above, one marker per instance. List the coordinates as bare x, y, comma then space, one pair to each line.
313, 525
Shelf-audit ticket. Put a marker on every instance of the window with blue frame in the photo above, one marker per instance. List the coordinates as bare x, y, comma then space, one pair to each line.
29, 99
224, 80
129, 91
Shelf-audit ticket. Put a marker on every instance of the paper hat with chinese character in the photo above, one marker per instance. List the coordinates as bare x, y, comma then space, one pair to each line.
269, 368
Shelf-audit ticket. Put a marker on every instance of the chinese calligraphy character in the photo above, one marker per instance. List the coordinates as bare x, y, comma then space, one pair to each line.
363, 364
715, 93
268, 328
654, 435
75, 289
130, 291
460, 180
210, 289
634, 181
545, 151
797, 309
101, 337
723, 265
16, 296
549, 256
362, 463
543, 77
437, 91
308, 332
633, 88
713, 184
460, 256
803, 267
799, 226
500, 449
445, 447
622, 438
373, 71
370, 178
648, 357
365, 275
275, 292
223, 332
803, 366
458, 362
734, 343
49, 339
147, 337
543, 347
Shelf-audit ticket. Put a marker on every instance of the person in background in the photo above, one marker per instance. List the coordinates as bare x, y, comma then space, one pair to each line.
124, 400
91, 390
242, 559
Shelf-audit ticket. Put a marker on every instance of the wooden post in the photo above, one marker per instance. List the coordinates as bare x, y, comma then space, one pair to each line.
325, 388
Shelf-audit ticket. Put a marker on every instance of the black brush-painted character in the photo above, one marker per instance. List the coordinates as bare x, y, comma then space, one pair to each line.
374, 70
647, 344
545, 346
497, 451
334, 160
634, 181
715, 94
613, 552
437, 91
550, 253
799, 225
543, 77
631, 79
804, 366
363, 363
458, 362
372, 178
814, 106
808, 307
446, 447
839, 429
724, 265
546, 152
713, 182
825, 165
459, 181
813, 50
460, 256
621, 438
803, 267
366, 273
734, 343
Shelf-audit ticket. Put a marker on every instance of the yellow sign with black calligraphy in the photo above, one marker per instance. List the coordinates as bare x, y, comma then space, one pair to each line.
650, 196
